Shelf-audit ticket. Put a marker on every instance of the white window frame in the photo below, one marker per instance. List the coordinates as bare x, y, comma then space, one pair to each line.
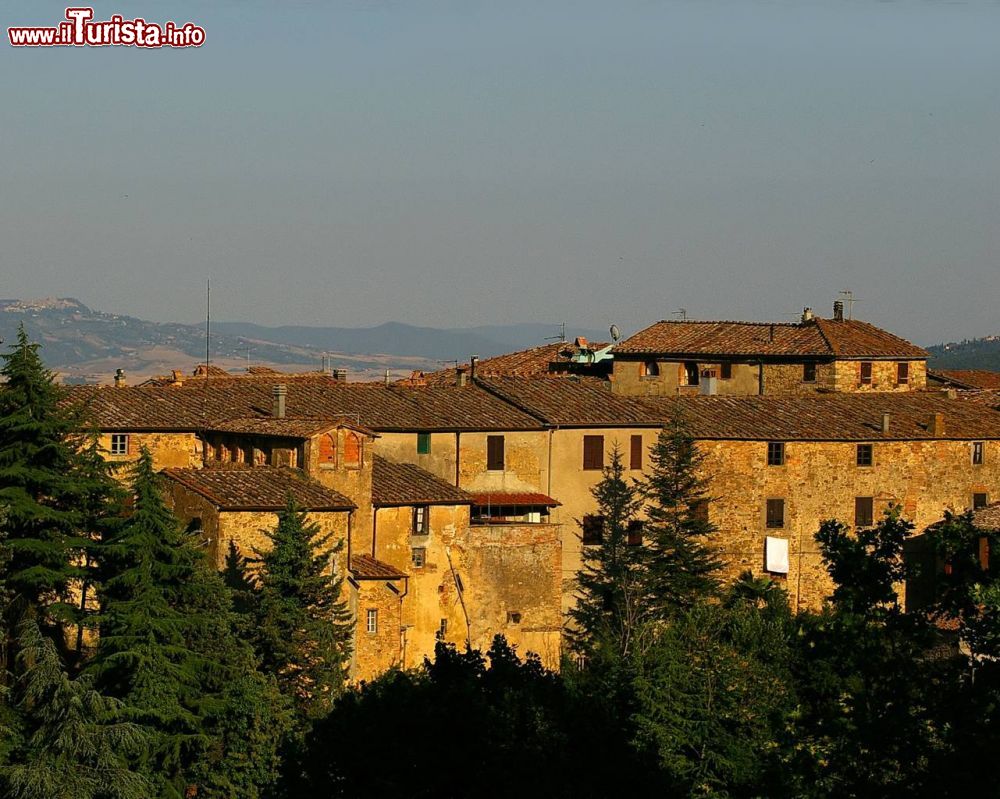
371, 621
119, 444
981, 447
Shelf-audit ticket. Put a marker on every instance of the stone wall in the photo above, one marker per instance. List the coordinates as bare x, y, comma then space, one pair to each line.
848, 376
378, 651
169, 450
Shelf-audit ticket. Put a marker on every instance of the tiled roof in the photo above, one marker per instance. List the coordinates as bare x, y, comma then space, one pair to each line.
200, 404
818, 338
574, 401
365, 567
988, 518
395, 484
513, 498
533, 362
291, 428
263, 488
968, 378
832, 417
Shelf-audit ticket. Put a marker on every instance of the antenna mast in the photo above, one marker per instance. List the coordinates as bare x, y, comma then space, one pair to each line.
208, 325
850, 299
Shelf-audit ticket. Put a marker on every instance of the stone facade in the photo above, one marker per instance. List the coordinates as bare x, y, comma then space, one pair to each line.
169, 449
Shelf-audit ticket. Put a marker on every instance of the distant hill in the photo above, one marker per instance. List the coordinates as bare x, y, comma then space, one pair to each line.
88, 345
978, 353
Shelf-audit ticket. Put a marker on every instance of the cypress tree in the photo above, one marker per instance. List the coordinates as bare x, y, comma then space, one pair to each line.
611, 610
303, 629
682, 567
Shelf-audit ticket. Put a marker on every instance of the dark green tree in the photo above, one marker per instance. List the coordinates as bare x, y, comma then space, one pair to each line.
682, 566
78, 744
302, 627
611, 613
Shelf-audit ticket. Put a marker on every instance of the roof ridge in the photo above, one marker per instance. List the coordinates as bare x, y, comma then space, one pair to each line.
820, 326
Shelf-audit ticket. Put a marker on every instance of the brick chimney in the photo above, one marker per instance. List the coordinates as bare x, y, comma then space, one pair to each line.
461, 376
838, 311
278, 405
473, 363
936, 425
340, 375
120, 378
807, 314
885, 423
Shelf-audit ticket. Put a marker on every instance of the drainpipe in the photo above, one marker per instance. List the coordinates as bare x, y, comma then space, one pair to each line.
760, 377
350, 525
458, 459
402, 627
374, 528
548, 488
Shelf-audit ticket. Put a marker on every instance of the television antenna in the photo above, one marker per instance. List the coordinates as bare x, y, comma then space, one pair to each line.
562, 333
682, 313
850, 299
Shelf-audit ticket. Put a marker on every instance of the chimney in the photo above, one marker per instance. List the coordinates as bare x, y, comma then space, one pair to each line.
473, 363
708, 385
461, 378
885, 423
770, 333
119, 378
278, 406
387, 377
936, 425
807, 314
838, 311
581, 343
340, 375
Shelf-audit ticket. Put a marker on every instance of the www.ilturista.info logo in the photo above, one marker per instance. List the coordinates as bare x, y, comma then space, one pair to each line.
80, 30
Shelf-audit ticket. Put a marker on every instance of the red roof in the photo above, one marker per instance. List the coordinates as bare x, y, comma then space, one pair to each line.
969, 378
514, 498
365, 567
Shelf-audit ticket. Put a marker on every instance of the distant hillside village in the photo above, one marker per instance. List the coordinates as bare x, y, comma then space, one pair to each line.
464, 497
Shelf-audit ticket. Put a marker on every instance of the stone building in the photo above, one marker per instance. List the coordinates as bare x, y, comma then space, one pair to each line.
814, 355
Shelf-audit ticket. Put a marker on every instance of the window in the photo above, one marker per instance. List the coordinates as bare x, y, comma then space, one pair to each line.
442, 629
423, 443
776, 555
372, 624
635, 452
649, 369
775, 453
775, 519
593, 529
808, 373
635, 533
327, 450
420, 513
593, 452
119, 443
866, 373
725, 371
699, 510
865, 455
352, 450
513, 617
979, 501
902, 373
419, 557
864, 511
494, 453
690, 373
977, 453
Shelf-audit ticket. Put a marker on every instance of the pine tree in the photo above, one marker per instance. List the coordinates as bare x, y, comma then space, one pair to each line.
78, 744
39, 492
612, 609
303, 629
682, 567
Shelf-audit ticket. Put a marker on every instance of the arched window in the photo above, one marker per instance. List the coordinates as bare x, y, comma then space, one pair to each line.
352, 450
328, 449
650, 369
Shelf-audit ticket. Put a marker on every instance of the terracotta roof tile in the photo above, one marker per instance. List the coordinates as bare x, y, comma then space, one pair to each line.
513, 498
818, 338
969, 378
988, 518
263, 488
533, 362
395, 484
365, 567
291, 428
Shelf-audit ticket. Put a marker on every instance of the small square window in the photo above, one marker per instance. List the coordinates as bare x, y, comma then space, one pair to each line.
593, 529
635, 533
980, 501
513, 617
119, 444
372, 620
423, 443
866, 455
977, 453
725, 371
866, 373
420, 513
902, 373
808, 373
419, 557
864, 511
775, 453
775, 514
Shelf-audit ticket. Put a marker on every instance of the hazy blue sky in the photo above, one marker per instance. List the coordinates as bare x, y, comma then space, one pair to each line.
348, 163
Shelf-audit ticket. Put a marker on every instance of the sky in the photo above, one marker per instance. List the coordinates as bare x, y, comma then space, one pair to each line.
463, 163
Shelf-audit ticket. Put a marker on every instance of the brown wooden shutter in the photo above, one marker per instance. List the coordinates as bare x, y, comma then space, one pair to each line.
352, 449
328, 448
593, 452
495, 453
864, 511
635, 454
775, 513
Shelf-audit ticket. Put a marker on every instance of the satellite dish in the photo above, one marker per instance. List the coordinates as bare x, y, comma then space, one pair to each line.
615, 333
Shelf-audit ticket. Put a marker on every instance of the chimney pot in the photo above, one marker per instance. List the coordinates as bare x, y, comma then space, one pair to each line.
885, 423
119, 378
279, 394
473, 363
936, 426
340, 375
461, 377
838, 311
807, 314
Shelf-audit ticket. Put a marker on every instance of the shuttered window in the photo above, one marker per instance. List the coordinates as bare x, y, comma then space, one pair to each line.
902, 373
593, 452
635, 533
423, 443
808, 373
866, 373
635, 453
495, 453
352, 450
864, 511
775, 513
593, 529
328, 449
